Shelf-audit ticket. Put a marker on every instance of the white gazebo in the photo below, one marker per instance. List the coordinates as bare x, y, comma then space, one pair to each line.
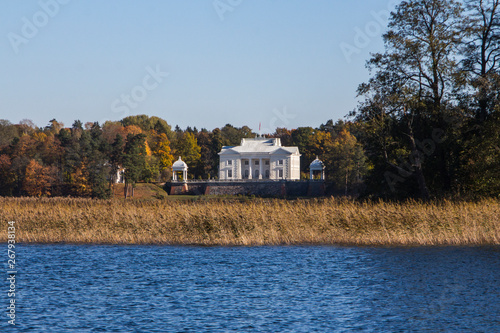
317, 165
179, 166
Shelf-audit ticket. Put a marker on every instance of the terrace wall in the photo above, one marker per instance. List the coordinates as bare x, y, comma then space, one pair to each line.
257, 188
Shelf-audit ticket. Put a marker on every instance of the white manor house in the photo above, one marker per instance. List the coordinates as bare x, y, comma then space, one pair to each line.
259, 158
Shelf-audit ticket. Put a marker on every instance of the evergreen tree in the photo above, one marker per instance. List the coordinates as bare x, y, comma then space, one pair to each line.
116, 157
134, 161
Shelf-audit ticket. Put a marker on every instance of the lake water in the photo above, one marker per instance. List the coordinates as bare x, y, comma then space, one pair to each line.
68, 288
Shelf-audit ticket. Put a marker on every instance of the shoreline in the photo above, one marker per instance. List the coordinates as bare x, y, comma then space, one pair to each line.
336, 245
256, 222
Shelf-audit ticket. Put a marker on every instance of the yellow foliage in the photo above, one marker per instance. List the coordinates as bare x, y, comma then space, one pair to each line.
161, 149
38, 179
132, 129
39, 137
148, 149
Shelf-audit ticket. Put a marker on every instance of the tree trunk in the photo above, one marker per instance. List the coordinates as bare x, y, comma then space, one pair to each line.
419, 174
346, 174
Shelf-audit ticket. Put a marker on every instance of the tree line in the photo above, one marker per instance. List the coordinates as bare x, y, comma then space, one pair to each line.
430, 110
85, 159
427, 125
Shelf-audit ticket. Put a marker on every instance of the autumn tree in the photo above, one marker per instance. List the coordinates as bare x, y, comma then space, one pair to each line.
232, 135
413, 84
160, 148
319, 143
7, 176
188, 149
110, 129
146, 124
25, 146
51, 151
285, 136
345, 162
54, 126
26, 127
38, 180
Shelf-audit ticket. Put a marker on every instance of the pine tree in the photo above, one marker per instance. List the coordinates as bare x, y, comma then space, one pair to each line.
134, 161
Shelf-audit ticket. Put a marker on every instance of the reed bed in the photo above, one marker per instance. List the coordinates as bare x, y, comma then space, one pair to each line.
325, 221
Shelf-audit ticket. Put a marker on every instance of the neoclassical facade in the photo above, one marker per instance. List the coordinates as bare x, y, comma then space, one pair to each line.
259, 158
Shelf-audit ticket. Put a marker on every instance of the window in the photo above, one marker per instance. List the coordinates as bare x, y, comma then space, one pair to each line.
256, 173
229, 162
246, 173
257, 162
267, 173
280, 173
246, 162
280, 162
267, 162
229, 173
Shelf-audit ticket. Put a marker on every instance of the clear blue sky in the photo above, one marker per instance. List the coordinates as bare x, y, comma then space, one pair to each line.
284, 63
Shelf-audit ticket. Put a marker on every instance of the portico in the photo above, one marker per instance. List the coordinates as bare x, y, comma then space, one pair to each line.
255, 168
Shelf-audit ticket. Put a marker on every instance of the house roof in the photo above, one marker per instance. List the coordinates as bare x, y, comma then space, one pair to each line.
259, 145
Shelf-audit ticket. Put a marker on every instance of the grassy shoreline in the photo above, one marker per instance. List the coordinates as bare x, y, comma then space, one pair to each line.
255, 222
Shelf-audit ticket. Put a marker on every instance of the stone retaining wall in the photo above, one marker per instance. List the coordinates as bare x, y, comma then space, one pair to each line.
258, 188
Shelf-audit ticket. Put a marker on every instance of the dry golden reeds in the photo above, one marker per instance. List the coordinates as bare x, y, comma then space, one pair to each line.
254, 222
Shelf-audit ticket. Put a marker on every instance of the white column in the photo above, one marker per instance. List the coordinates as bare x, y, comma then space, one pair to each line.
311, 174
239, 171
249, 168
260, 168
286, 167
184, 174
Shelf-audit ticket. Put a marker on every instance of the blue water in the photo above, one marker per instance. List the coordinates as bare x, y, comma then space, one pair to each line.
68, 288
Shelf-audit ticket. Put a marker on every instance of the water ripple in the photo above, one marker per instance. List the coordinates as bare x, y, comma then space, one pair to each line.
68, 288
